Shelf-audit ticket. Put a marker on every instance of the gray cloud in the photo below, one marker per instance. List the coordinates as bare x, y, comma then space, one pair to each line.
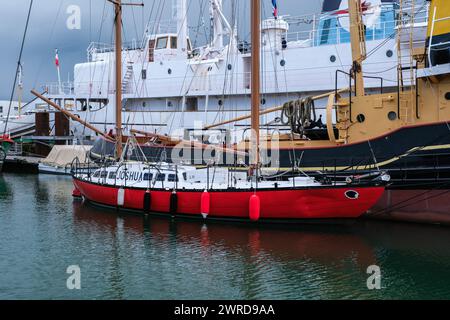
47, 31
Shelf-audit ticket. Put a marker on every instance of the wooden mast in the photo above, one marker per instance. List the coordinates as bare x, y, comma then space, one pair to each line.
358, 43
255, 77
118, 44
118, 47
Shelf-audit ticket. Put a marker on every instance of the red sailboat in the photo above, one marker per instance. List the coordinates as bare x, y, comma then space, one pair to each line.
220, 192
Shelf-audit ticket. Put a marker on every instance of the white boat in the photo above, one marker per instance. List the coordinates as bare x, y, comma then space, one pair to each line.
170, 87
60, 159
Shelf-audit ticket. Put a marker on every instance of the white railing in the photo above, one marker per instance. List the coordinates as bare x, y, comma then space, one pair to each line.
381, 30
420, 12
161, 26
92, 89
54, 88
95, 48
432, 46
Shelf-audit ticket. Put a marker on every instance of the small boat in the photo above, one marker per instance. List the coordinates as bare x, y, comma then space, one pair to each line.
5, 144
58, 161
215, 192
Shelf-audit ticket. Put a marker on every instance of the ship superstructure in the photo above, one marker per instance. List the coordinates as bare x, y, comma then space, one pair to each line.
168, 86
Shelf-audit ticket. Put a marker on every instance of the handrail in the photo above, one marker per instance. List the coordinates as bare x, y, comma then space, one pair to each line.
270, 110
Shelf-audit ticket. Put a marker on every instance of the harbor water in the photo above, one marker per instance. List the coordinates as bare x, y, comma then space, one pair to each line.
43, 232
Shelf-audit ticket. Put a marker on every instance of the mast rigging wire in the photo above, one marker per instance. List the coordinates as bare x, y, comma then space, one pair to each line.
18, 67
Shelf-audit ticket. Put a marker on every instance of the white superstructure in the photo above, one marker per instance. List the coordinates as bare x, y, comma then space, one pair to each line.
170, 86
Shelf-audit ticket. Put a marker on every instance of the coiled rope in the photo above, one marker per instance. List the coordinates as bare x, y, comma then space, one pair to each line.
299, 114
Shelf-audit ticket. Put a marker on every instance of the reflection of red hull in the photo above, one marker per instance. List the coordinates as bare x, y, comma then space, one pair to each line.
314, 203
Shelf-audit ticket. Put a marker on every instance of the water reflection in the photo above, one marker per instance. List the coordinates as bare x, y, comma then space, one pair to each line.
43, 231
5, 190
311, 261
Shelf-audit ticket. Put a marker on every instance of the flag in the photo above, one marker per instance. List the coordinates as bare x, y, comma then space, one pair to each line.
337, 7
275, 8
56, 58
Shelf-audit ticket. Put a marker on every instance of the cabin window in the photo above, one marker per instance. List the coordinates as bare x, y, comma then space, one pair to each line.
69, 104
184, 175
173, 42
96, 174
151, 50
81, 104
191, 104
160, 177
172, 178
1, 109
112, 175
161, 43
148, 176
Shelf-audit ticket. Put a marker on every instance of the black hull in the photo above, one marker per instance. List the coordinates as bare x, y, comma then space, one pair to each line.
415, 157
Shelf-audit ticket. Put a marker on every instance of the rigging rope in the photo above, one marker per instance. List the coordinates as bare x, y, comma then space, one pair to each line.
18, 67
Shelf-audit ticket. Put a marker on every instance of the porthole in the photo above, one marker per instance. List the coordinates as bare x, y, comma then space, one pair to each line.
333, 58
447, 96
392, 116
361, 118
389, 53
169, 71
352, 194
144, 104
283, 63
263, 101
220, 102
230, 67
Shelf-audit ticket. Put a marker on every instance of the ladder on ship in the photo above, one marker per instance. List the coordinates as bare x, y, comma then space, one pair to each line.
128, 78
406, 69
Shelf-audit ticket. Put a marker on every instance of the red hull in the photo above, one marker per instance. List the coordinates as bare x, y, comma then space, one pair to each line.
316, 203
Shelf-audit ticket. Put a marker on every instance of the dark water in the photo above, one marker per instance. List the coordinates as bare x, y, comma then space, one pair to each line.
43, 231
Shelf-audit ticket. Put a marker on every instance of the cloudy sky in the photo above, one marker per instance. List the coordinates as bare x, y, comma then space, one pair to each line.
48, 30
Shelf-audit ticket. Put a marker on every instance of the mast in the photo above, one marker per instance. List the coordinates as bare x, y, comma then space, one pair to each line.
358, 43
18, 67
181, 15
118, 43
215, 6
118, 47
255, 86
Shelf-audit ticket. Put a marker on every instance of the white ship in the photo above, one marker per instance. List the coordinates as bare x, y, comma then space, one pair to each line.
169, 87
